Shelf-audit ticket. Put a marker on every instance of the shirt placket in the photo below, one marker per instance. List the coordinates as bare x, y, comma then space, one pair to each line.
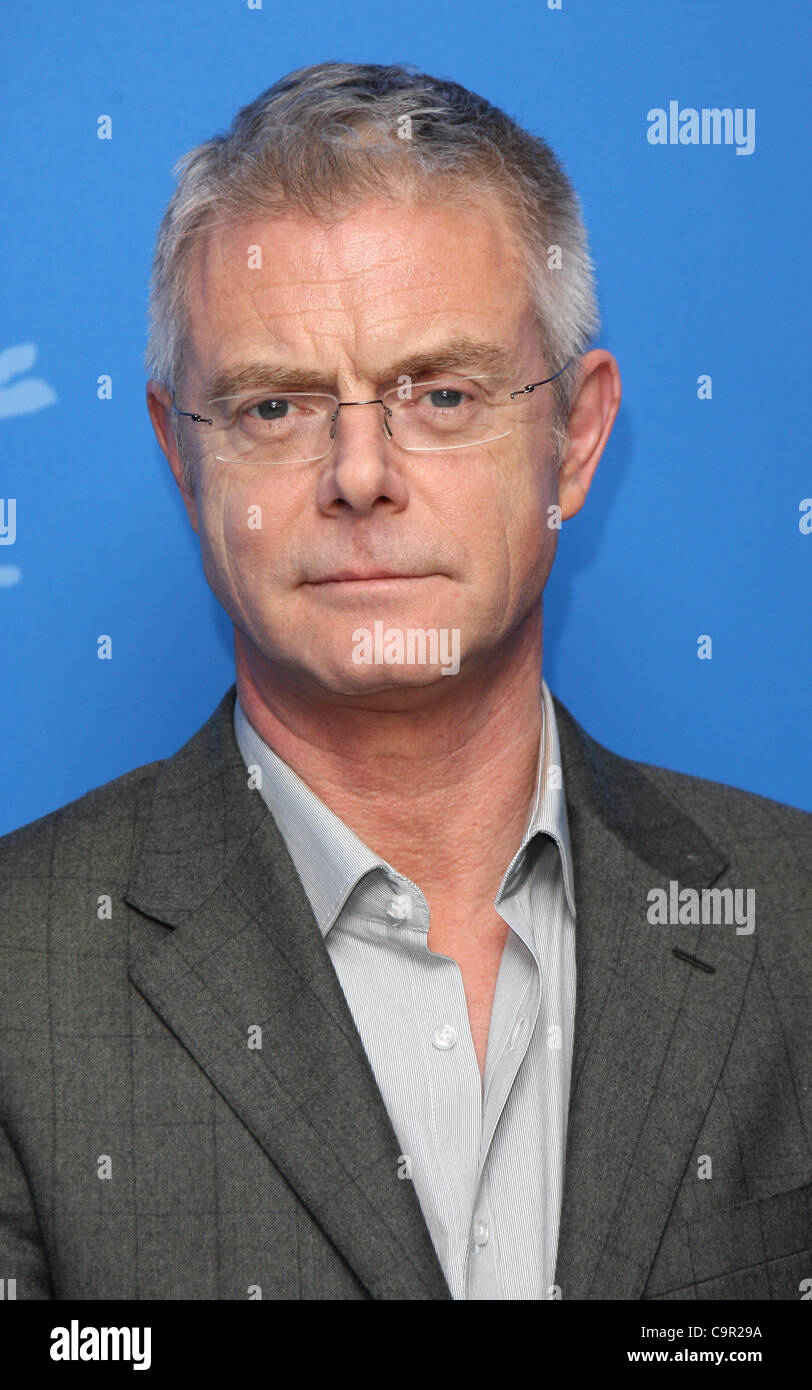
513, 1017
454, 1101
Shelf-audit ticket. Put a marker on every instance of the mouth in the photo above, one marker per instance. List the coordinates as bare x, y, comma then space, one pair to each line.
365, 577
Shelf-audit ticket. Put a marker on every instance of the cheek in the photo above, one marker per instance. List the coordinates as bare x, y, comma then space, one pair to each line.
237, 521
531, 535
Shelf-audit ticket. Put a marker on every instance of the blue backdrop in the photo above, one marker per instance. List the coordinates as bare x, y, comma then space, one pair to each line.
696, 521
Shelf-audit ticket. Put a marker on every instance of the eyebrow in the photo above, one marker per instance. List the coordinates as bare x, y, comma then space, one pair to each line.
460, 354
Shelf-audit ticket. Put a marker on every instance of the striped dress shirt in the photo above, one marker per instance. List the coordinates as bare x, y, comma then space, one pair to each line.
486, 1155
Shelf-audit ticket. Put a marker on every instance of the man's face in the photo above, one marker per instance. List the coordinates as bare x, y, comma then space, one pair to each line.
467, 530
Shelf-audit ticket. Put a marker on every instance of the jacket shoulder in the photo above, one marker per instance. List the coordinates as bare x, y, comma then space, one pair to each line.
632, 792
99, 831
734, 818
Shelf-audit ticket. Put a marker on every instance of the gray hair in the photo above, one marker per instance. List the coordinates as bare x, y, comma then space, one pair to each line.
328, 137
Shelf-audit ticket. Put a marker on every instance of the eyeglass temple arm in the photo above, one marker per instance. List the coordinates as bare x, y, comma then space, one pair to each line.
528, 389
201, 419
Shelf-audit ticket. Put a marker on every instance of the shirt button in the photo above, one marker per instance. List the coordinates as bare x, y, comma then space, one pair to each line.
480, 1233
400, 907
444, 1037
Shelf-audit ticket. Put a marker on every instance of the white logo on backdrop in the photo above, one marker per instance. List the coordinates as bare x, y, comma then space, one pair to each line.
26, 396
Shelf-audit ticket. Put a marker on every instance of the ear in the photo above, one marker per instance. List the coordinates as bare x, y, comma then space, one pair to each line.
591, 418
159, 405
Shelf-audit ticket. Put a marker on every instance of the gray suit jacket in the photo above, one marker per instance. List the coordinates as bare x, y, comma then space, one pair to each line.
147, 1152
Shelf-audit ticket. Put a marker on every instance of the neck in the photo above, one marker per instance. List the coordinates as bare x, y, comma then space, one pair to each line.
442, 794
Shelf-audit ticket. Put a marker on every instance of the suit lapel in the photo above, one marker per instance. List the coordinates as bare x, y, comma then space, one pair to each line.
245, 950
651, 1030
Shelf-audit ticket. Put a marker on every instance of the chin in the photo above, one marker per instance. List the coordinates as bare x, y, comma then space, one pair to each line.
352, 680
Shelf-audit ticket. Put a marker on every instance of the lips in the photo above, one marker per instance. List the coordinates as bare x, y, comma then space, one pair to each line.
345, 576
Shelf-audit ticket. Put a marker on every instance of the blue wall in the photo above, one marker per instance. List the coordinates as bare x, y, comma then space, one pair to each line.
693, 522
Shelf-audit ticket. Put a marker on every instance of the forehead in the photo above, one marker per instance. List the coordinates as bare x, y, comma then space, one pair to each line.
384, 276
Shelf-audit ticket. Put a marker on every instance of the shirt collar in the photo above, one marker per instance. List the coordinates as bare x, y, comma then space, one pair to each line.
548, 813
330, 859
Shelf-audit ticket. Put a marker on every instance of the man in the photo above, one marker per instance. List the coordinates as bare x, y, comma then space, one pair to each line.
377, 988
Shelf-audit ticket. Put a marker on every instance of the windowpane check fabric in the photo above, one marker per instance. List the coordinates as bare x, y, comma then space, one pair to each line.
167, 1001
486, 1162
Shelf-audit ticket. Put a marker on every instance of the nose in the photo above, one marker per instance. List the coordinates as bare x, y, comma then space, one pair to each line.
362, 471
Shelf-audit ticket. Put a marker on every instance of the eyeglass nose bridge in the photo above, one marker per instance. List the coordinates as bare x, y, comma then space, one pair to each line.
387, 429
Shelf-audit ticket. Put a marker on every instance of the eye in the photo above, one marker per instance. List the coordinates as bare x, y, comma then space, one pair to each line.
443, 396
272, 408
